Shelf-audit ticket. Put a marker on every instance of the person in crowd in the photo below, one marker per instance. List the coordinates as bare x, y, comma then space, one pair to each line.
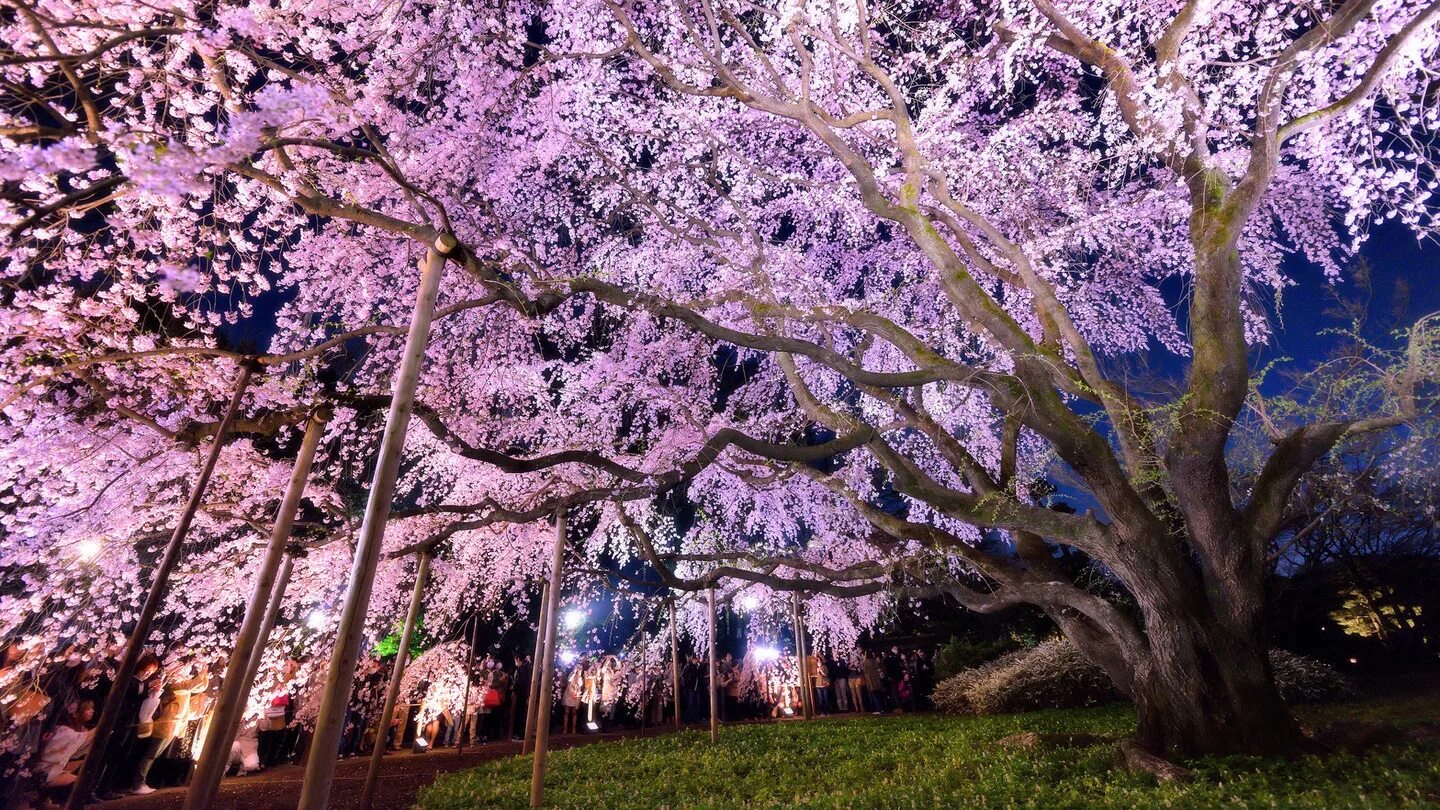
893, 664
874, 681
905, 691
820, 683
184, 684
691, 683
588, 690
23, 708
610, 680
856, 682
146, 745
924, 679
570, 698
65, 747
840, 676
499, 694
126, 746
520, 695
729, 681
360, 711
245, 750
486, 701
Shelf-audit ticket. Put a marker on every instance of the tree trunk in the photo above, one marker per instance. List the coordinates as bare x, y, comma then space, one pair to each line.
1207, 689
1201, 679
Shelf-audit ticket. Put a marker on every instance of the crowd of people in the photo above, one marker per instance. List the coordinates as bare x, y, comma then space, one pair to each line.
770, 685
48, 711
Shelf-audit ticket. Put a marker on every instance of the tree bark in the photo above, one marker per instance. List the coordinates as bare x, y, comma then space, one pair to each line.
1207, 689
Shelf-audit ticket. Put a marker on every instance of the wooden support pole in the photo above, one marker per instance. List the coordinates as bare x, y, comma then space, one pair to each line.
552, 614
392, 691
532, 706
325, 744
803, 665
469, 676
714, 676
89, 771
235, 688
675, 664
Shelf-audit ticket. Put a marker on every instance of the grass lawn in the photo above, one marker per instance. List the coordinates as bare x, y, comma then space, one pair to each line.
937, 761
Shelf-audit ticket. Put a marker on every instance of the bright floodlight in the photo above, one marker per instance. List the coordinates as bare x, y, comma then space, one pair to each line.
567, 657
750, 601
317, 619
573, 619
766, 654
89, 549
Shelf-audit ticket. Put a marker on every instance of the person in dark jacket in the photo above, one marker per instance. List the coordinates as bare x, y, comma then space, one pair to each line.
129, 742
520, 695
692, 688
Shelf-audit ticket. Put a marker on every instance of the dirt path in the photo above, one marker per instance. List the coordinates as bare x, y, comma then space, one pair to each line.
401, 777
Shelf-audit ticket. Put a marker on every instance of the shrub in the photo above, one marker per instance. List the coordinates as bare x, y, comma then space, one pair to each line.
1055, 675
1050, 675
1305, 680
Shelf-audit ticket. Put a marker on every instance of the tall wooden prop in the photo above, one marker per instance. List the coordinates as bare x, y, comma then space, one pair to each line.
807, 696
675, 664
552, 613
230, 705
532, 706
129, 659
392, 691
325, 744
469, 676
714, 676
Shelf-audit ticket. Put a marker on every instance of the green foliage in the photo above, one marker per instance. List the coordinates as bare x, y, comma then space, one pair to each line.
389, 645
932, 761
963, 653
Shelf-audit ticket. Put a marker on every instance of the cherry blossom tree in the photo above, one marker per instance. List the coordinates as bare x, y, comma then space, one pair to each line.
851, 279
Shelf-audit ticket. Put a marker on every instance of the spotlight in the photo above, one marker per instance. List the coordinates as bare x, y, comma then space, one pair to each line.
89, 549
317, 619
574, 619
567, 657
750, 601
767, 654
788, 712
593, 726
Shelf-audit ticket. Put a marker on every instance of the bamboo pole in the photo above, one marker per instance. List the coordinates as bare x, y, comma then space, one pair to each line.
469, 676
542, 715
325, 744
714, 677
532, 704
675, 664
230, 705
392, 691
84, 783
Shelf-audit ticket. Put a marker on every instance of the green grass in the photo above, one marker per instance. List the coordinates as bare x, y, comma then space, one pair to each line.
934, 761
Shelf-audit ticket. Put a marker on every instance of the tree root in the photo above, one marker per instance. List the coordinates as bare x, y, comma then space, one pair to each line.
1136, 758
1030, 740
